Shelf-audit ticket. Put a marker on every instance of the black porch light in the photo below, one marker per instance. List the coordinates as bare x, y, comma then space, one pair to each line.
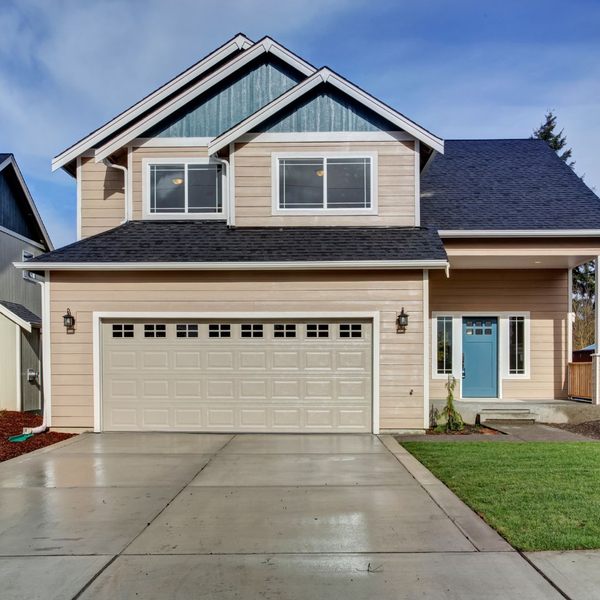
69, 319
402, 321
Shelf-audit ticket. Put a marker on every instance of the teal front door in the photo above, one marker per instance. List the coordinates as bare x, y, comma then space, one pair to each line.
480, 357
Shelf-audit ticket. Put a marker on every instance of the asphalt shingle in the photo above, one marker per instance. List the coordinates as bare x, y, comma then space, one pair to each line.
505, 184
213, 241
23, 313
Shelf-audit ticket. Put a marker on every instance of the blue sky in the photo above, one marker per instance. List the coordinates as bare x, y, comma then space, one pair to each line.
463, 69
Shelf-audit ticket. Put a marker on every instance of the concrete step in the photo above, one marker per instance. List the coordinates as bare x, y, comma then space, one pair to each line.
507, 415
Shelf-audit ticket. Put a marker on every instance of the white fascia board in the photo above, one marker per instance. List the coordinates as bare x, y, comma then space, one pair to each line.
36, 215
386, 112
325, 75
234, 266
517, 233
262, 47
239, 42
15, 319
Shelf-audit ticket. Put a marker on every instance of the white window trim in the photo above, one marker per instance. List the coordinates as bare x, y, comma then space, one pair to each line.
147, 215
275, 210
503, 344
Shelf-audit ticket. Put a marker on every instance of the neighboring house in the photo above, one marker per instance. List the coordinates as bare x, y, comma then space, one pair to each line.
22, 236
254, 234
585, 354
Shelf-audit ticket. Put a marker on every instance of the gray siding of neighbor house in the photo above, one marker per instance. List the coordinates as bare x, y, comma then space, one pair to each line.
13, 206
326, 110
13, 288
31, 391
231, 102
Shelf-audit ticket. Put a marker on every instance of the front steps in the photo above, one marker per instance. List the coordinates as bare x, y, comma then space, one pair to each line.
513, 411
513, 416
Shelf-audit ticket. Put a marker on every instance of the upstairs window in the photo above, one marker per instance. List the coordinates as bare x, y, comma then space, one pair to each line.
184, 189
322, 184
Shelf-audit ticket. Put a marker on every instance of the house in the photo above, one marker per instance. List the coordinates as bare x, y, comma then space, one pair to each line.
264, 246
22, 236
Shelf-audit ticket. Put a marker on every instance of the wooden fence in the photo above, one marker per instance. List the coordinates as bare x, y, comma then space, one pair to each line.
580, 380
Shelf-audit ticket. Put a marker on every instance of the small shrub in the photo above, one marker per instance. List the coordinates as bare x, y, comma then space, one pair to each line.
453, 419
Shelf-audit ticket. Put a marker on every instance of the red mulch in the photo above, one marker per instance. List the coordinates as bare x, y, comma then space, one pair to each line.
12, 423
468, 430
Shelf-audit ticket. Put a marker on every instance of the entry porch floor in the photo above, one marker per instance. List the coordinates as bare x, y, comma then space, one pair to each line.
547, 410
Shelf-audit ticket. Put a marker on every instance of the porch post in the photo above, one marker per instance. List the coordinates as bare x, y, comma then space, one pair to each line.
596, 355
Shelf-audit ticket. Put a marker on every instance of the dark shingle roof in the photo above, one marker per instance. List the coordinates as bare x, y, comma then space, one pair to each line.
505, 184
212, 241
23, 313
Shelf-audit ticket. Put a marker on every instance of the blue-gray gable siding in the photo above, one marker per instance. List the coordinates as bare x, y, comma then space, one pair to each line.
14, 208
231, 102
325, 110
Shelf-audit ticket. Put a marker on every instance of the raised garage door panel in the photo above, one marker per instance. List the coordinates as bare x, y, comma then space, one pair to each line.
307, 376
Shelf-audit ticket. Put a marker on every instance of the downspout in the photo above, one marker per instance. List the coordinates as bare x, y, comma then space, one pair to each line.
125, 187
227, 171
45, 327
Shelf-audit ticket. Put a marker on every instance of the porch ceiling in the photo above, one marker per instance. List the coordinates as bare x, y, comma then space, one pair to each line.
520, 254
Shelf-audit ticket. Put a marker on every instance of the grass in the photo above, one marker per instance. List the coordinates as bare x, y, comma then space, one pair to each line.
539, 496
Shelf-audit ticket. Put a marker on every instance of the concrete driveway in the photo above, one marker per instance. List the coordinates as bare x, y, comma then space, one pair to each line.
222, 516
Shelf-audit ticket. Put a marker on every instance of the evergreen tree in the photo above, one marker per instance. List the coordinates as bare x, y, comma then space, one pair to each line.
556, 141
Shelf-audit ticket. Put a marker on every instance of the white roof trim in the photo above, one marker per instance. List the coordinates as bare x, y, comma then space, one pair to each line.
234, 266
325, 75
498, 233
267, 45
9, 314
239, 42
36, 215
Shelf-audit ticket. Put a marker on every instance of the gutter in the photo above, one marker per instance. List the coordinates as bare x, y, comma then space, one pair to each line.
517, 233
232, 266
107, 163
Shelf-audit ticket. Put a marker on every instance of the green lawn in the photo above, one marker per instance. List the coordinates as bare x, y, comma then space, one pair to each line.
539, 496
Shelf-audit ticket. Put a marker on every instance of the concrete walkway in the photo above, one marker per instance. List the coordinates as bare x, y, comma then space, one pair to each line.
535, 432
219, 516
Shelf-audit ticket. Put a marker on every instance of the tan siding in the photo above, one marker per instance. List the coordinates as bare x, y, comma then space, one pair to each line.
139, 154
396, 181
401, 370
542, 292
102, 197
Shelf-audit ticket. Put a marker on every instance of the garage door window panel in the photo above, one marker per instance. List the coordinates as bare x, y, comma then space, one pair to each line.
284, 330
152, 330
219, 330
317, 330
351, 330
186, 330
251, 330
122, 330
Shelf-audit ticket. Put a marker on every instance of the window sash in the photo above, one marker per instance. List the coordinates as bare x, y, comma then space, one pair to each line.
516, 345
324, 162
444, 346
185, 166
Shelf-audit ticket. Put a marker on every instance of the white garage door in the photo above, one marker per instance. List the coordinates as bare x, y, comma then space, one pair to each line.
191, 375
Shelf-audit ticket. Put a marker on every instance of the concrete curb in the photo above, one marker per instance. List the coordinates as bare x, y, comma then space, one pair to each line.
475, 529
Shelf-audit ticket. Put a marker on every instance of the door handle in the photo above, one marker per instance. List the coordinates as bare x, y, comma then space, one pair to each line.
464, 373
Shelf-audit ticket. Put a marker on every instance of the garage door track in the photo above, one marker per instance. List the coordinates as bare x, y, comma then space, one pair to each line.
240, 516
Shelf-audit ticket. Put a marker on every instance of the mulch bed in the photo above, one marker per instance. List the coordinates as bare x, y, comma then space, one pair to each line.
589, 428
12, 423
467, 430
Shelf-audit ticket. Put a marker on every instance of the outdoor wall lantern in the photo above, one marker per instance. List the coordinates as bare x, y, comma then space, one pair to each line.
69, 320
402, 321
